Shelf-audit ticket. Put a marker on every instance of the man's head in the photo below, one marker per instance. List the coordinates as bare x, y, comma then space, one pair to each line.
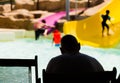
107, 11
43, 21
69, 44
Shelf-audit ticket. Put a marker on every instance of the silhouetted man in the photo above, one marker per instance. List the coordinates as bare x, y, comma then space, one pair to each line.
71, 60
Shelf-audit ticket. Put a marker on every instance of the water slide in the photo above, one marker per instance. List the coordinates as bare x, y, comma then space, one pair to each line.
89, 31
50, 20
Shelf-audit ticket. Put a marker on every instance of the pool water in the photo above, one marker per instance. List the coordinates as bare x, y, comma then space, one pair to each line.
45, 49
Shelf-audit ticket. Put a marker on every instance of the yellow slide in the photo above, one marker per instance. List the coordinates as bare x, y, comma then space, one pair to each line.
89, 31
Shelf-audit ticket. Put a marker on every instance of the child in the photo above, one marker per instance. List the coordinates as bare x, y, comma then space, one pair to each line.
56, 37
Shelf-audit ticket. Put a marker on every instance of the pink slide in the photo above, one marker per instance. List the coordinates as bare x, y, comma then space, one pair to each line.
50, 20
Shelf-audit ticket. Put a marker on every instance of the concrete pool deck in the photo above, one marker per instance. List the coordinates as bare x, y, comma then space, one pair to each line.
12, 34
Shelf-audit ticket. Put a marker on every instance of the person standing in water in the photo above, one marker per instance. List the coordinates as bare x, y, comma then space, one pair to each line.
56, 37
39, 28
104, 22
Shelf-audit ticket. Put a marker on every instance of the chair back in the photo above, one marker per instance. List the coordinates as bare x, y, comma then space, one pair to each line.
89, 77
29, 63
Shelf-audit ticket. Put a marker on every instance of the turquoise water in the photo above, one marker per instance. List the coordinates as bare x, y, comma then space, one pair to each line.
28, 48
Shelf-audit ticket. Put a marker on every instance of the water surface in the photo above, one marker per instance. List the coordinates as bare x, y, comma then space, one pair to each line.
45, 50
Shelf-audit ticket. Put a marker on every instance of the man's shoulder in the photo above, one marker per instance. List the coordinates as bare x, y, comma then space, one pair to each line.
87, 56
56, 57
79, 55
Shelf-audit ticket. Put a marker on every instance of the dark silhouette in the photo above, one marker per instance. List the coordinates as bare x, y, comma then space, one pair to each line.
26, 63
118, 79
71, 60
84, 77
39, 30
104, 24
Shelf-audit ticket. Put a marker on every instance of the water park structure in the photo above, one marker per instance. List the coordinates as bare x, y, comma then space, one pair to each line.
21, 43
89, 31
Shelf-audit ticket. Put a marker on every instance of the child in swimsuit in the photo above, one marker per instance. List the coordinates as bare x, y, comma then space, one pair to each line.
56, 37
